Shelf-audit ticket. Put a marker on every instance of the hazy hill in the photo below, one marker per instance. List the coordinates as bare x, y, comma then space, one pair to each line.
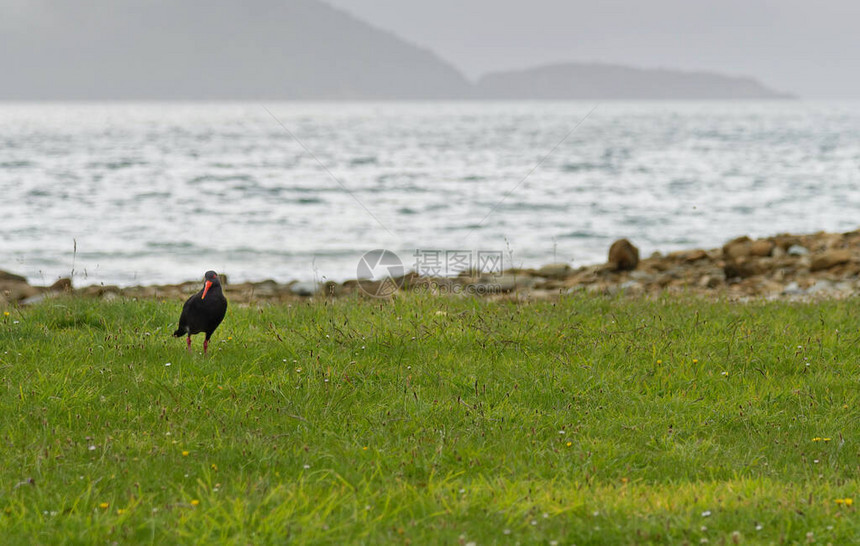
278, 49
605, 81
210, 49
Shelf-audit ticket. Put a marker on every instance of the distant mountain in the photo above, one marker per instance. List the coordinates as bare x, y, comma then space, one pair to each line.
278, 49
606, 81
210, 49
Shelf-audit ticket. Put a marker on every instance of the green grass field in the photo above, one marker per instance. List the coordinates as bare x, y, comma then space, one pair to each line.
432, 421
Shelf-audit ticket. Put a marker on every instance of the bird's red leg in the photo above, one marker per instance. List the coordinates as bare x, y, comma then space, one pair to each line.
205, 346
189, 344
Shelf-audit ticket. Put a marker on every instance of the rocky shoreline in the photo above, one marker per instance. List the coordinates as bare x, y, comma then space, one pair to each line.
818, 265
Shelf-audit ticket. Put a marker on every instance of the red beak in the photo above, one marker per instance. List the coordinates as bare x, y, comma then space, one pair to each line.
206, 289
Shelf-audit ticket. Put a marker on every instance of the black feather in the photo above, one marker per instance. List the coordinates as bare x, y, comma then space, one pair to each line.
201, 314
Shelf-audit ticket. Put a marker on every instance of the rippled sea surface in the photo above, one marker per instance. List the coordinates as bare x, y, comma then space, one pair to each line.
127, 193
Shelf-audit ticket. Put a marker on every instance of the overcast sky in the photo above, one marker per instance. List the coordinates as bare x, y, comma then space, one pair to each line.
800, 46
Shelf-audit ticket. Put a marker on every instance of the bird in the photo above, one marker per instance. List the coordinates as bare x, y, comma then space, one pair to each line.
203, 311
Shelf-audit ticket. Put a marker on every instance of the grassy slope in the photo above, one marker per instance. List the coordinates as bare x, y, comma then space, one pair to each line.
432, 421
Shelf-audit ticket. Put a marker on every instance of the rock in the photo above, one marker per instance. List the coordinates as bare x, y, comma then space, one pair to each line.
304, 288
404, 282
793, 289
266, 289
525, 281
737, 248
830, 259
331, 289
493, 285
631, 287
769, 287
189, 288
543, 295
62, 285
695, 255
551, 285
744, 268
711, 281
17, 290
32, 300
6, 276
762, 248
554, 271
623, 256
832, 240
96, 291
788, 266
821, 286
659, 266
640, 275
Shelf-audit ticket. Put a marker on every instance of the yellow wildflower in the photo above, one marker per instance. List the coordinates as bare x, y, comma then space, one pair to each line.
120, 511
185, 454
104, 506
195, 502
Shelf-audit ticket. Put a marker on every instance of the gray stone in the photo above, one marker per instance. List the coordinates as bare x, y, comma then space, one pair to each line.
33, 300
554, 271
640, 275
793, 289
631, 287
266, 289
494, 285
821, 285
304, 288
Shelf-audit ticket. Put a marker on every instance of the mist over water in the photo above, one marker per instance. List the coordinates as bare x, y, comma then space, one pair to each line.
158, 193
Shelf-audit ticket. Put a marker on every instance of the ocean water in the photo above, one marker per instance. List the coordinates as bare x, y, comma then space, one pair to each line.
140, 193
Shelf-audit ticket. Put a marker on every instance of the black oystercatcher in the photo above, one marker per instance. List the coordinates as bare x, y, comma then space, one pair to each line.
203, 311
